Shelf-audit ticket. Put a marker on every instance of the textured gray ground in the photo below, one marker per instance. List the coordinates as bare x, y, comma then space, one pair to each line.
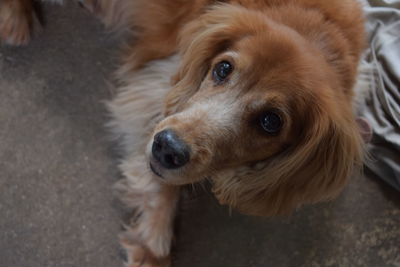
57, 168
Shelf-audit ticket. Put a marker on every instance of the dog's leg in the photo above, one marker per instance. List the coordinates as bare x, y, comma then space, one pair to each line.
16, 17
147, 238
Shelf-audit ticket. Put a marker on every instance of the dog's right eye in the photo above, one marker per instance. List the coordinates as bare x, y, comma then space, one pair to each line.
221, 71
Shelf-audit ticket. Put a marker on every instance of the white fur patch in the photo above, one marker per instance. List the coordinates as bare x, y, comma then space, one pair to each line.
137, 108
135, 111
219, 111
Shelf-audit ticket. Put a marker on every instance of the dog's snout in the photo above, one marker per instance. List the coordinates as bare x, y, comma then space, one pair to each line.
169, 150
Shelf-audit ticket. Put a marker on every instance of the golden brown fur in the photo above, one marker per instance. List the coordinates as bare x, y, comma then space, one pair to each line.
296, 57
307, 65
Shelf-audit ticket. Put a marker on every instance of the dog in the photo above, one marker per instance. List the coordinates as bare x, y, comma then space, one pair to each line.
255, 96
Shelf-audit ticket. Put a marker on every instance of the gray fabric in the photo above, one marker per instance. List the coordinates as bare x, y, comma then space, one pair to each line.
379, 84
384, 3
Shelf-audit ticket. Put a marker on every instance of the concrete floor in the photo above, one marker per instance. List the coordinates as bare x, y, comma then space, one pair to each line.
57, 168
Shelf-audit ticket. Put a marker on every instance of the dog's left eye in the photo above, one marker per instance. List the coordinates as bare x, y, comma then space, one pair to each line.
271, 122
222, 70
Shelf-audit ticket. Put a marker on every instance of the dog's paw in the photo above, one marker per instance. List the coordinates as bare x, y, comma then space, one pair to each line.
138, 256
15, 23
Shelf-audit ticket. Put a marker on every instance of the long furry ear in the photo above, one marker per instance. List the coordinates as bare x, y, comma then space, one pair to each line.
315, 170
201, 40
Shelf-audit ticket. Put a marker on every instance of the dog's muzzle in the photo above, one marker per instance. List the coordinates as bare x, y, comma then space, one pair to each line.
169, 151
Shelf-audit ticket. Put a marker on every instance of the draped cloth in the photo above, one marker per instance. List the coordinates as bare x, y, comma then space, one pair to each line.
378, 88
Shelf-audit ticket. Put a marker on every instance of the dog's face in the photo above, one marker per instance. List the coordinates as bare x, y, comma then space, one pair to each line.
256, 109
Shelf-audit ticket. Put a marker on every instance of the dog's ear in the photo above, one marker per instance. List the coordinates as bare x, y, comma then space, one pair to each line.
200, 41
314, 170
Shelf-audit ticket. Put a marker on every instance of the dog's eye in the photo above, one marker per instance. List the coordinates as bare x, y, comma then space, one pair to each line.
271, 122
222, 70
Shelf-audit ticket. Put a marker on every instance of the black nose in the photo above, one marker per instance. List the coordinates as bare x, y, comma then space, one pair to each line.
169, 150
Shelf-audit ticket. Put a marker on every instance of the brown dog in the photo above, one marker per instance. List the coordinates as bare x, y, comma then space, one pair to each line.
254, 95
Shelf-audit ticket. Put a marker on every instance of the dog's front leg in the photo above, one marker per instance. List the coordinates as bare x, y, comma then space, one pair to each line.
148, 236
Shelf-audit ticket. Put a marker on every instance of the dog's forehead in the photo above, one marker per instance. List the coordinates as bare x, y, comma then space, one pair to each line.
267, 49
265, 64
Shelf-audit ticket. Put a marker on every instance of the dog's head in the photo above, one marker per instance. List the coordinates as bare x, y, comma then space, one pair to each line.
258, 110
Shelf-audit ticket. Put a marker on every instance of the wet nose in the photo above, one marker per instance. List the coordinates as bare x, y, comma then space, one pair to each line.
169, 150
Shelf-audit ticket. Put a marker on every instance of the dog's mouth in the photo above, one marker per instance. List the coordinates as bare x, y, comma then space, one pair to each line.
154, 170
